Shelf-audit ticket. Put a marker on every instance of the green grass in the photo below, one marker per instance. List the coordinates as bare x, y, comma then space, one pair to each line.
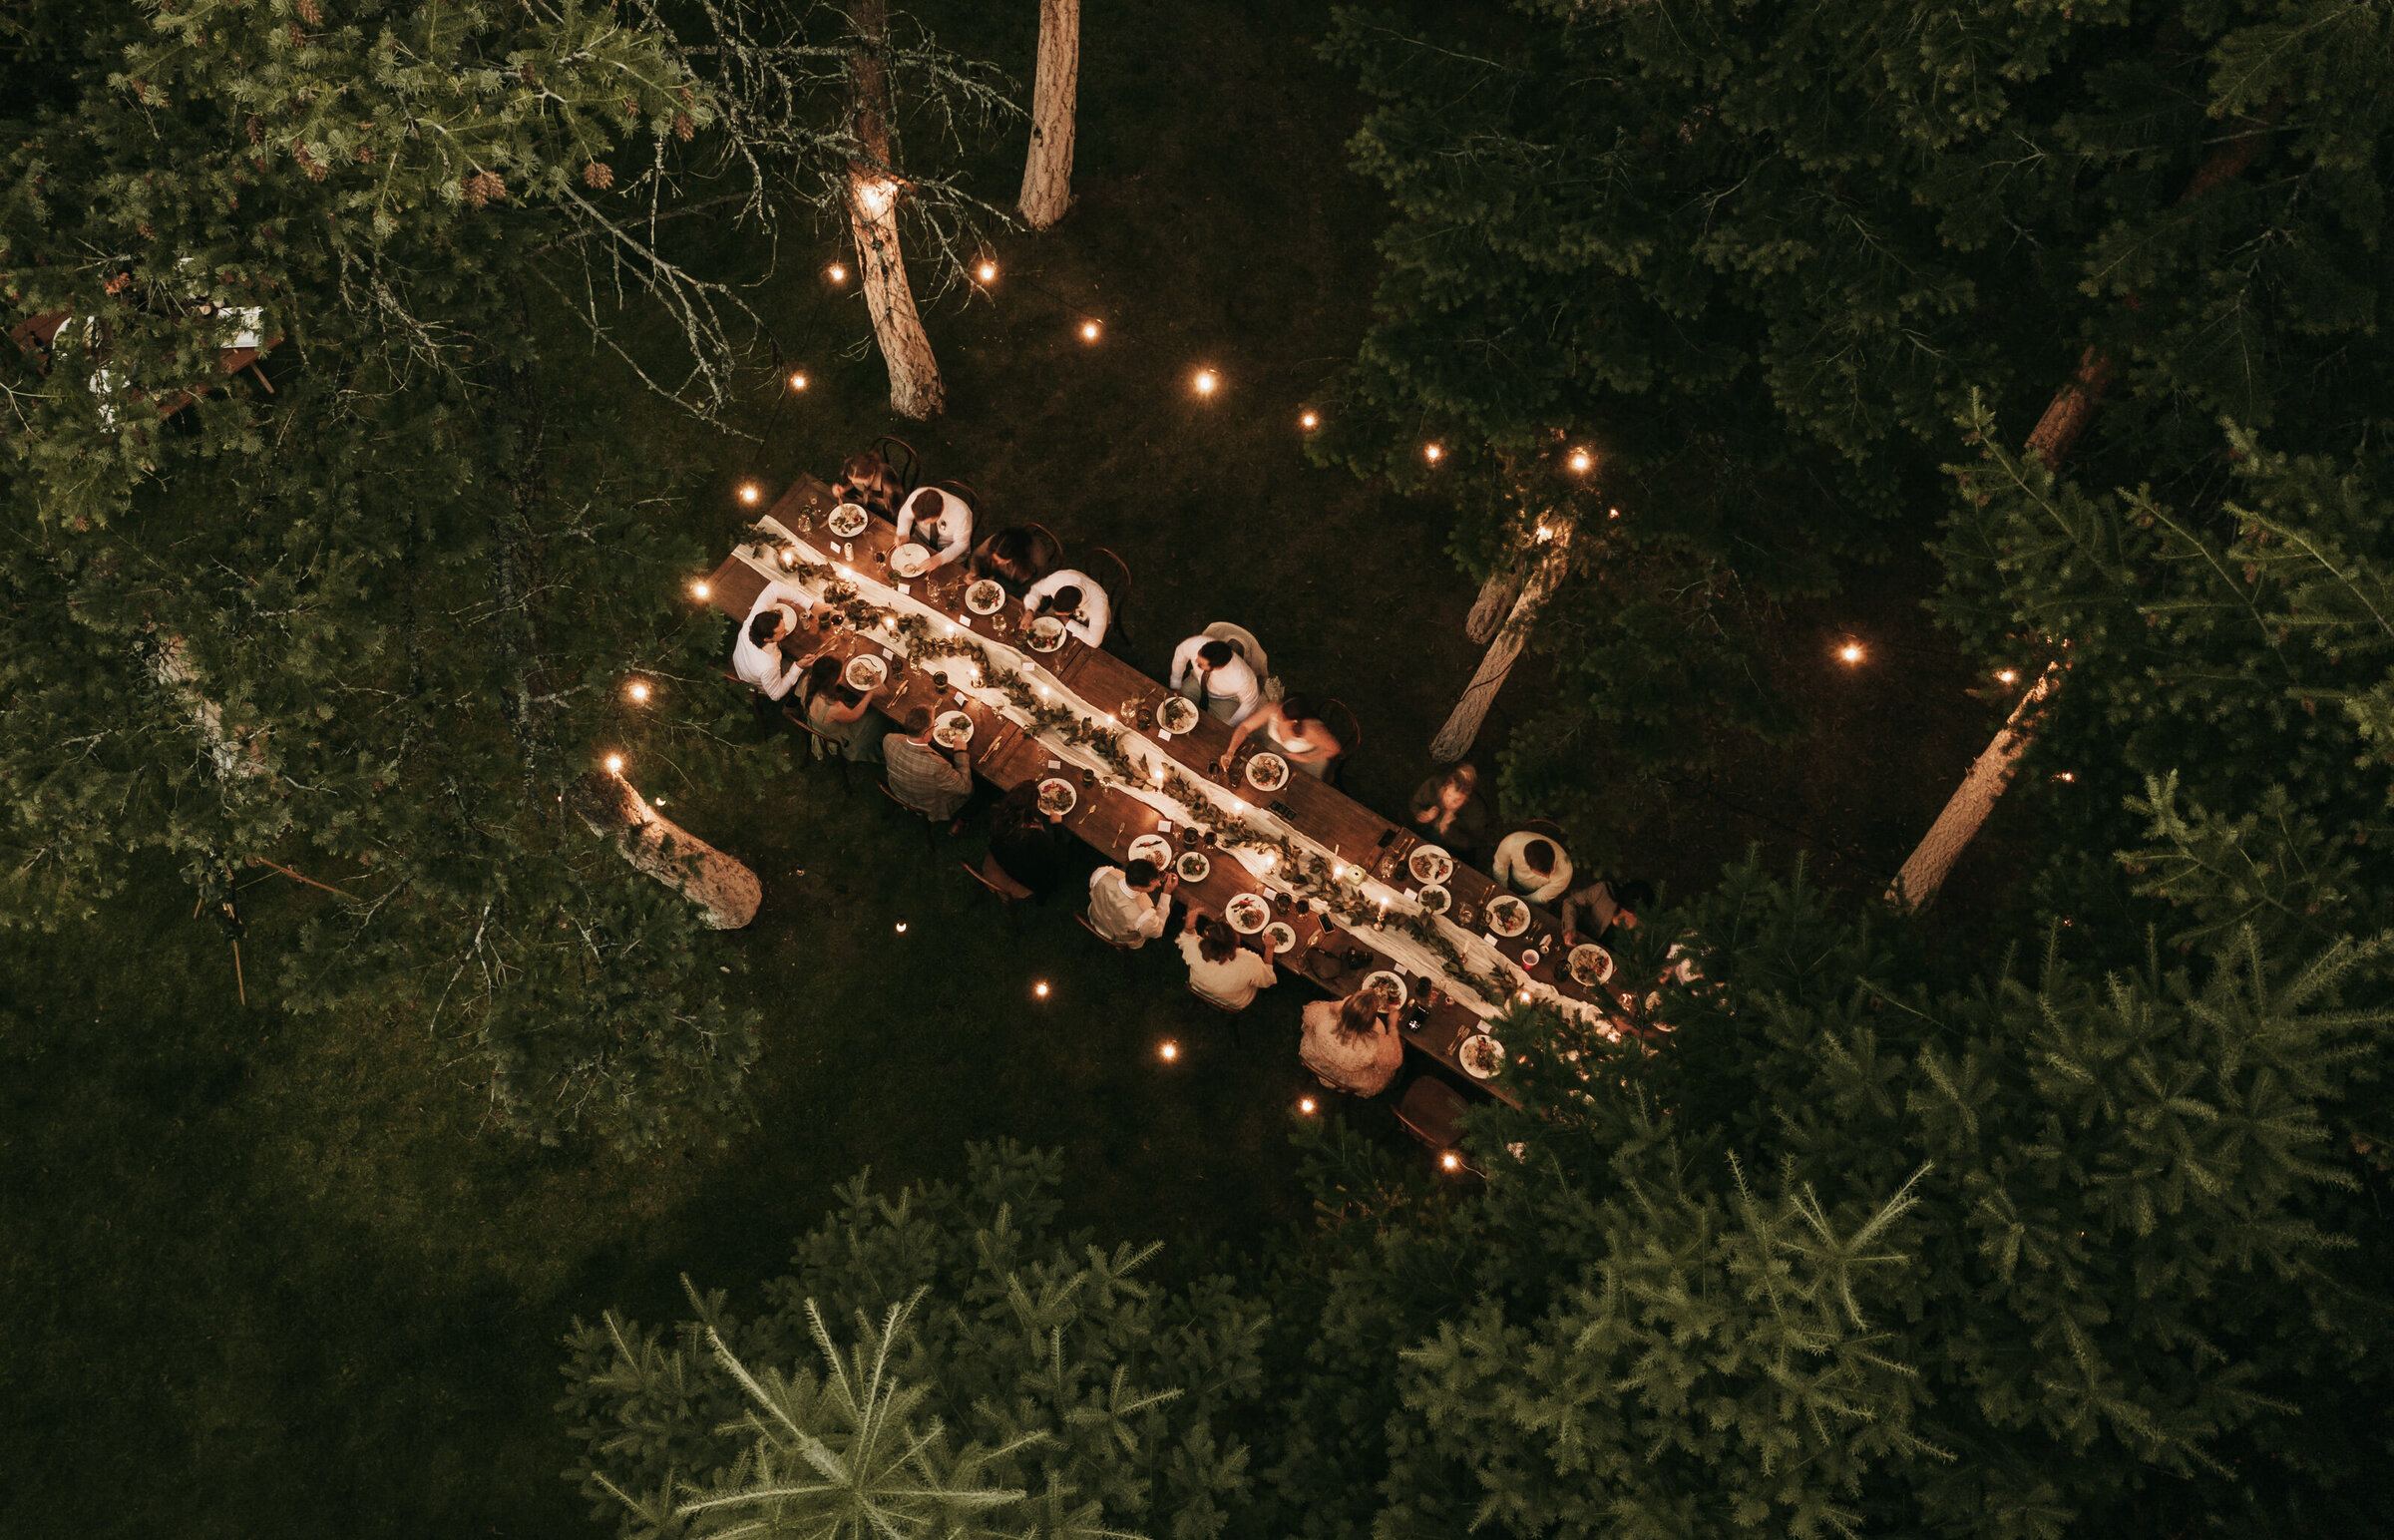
268, 1276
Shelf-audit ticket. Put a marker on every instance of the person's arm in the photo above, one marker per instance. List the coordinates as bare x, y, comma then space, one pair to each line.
1182, 656
1151, 924
1326, 747
1245, 728
906, 514
1251, 700
955, 518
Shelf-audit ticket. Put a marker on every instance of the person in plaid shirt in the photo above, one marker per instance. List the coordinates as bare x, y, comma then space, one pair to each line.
933, 784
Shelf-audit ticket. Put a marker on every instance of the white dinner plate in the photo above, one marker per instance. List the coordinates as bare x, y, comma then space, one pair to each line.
1057, 796
1193, 867
1480, 1055
846, 521
1391, 984
1508, 917
1151, 847
865, 671
907, 561
953, 730
1590, 964
1047, 634
1434, 900
984, 598
1247, 913
1430, 865
1267, 772
1177, 714
1284, 936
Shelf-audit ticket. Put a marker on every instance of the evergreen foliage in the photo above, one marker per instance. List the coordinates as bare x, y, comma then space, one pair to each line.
940, 1361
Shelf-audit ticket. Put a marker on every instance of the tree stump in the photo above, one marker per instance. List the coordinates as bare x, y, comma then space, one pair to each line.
1967, 809
1047, 172
719, 884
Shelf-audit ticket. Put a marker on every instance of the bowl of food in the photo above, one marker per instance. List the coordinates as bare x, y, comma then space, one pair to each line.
1046, 634
1388, 986
1284, 936
953, 730
846, 521
986, 596
1193, 867
1178, 713
1247, 913
1480, 1055
1267, 772
865, 671
1151, 847
1056, 796
908, 560
1428, 864
1590, 965
1508, 917
1434, 900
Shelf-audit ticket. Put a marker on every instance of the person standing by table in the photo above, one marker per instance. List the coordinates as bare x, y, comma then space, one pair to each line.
1296, 733
1128, 905
868, 482
1211, 673
1353, 1045
1075, 599
1604, 906
1220, 970
1532, 866
934, 784
939, 520
1031, 847
1451, 812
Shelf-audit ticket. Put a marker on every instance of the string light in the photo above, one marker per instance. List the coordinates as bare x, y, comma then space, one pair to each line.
638, 689
1613, 513
1206, 382
750, 493
614, 764
1089, 331
797, 382
699, 592
837, 273
875, 198
1040, 989
1451, 1161
1305, 1105
901, 928
1431, 452
1307, 421
1168, 1050
1581, 459
987, 273
2008, 677
1851, 652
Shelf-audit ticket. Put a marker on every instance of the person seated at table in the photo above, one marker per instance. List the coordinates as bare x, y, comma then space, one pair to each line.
1533, 865
1596, 911
1017, 555
842, 714
1353, 1045
1031, 847
1296, 733
1211, 673
940, 522
934, 783
1452, 813
1128, 905
1075, 599
867, 481
756, 655
1220, 970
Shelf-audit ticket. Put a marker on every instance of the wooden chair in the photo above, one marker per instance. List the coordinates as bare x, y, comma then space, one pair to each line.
1122, 950
1210, 1003
1433, 1112
1544, 828
1342, 726
901, 458
962, 491
931, 827
1117, 592
833, 749
1008, 893
1051, 553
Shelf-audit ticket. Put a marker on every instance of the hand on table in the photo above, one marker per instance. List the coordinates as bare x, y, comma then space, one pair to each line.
1171, 882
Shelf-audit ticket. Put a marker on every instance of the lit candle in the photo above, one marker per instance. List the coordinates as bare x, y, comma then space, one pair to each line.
987, 273
901, 928
748, 491
1451, 1160
1581, 459
639, 690
1307, 421
1305, 1105
1431, 452
1040, 989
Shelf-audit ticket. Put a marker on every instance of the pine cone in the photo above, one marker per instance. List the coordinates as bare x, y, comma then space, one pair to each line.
530, 79
365, 155
597, 174
683, 128
307, 163
298, 38
632, 105
310, 12
482, 188
258, 129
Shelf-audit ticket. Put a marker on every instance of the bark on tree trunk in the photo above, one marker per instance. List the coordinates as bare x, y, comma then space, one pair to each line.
1495, 602
874, 190
1047, 173
724, 888
234, 754
1454, 740
1917, 884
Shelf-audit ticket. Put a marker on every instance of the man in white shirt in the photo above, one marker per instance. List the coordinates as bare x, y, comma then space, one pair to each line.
1128, 905
1075, 599
939, 520
757, 656
1213, 674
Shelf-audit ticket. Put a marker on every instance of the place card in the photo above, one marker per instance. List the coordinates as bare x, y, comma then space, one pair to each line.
1490, 938
904, 588
1056, 764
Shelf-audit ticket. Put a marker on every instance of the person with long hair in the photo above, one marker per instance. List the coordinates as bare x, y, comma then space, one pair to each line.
1353, 1045
1221, 969
1296, 734
840, 713
868, 482
1450, 812
1031, 847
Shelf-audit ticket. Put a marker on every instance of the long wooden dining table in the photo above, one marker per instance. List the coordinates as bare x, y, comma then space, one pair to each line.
1334, 957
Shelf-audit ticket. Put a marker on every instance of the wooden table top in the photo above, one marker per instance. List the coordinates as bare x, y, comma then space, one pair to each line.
1109, 820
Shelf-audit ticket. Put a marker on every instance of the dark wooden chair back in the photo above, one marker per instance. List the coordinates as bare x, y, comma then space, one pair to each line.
1546, 827
1051, 552
1213, 1005
1008, 893
901, 458
1120, 948
1433, 1112
833, 749
929, 828
1342, 726
1117, 592
962, 491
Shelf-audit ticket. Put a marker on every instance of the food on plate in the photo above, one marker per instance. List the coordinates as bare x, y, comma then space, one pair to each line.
1151, 847
907, 561
1284, 936
1435, 900
1590, 964
1481, 1056
984, 598
1177, 714
865, 671
1390, 986
1047, 634
1057, 796
953, 730
1267, 772
1430, 865
1508, 916
1247, 913
846, 521
1193, 867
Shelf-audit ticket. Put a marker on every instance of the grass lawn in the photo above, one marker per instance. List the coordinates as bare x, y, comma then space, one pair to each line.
268, 1276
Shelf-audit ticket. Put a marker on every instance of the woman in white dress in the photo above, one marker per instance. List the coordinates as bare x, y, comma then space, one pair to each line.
1353, 1045
1297, 735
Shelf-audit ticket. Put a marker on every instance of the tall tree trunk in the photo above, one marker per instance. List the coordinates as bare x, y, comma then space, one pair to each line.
1047, 173
1454, 740
1925, 872
874, 190
719, 884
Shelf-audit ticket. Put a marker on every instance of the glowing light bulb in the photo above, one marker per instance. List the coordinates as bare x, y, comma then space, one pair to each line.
1305, 1105
1206, 382
797, 382
1169, 1050
1431, 452
2009, 676
750, 493
614, 764
987, 273
1612, 513
901, 928
875, 198
1581, 459
1089, 331
1851, 652
836, 272
1307, 421
1451, 1160
699, 591
1040, 989
639, 690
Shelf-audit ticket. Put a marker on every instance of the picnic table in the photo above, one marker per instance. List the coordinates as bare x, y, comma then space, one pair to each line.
1326, 953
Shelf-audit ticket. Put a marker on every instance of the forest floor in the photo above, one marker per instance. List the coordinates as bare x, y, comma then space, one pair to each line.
264, 1275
